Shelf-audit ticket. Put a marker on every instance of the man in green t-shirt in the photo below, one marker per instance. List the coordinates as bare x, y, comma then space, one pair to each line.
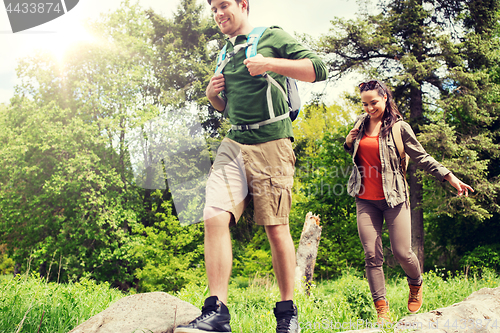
255, 161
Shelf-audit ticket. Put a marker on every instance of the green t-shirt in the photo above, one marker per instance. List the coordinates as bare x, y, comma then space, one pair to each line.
245, 95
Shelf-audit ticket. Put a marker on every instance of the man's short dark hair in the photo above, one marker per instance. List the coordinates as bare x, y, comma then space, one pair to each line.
238, 2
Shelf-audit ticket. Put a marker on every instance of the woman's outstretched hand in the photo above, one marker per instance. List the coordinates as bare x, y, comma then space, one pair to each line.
461, 187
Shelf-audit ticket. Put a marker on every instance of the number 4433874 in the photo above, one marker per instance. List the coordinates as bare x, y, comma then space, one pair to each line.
33, 8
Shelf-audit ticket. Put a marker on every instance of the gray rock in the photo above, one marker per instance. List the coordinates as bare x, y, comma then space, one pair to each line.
156, 312
478, 313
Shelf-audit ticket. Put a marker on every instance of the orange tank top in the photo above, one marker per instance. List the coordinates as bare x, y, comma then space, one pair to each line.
370, 167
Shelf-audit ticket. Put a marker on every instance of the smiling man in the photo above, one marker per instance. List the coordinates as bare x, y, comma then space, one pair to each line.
255, 160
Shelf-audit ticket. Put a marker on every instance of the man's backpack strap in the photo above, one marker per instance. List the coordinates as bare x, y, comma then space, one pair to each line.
293, 98
272, 82
253, 41
291, 95
260, 123
220, 59
250, 45
224, 58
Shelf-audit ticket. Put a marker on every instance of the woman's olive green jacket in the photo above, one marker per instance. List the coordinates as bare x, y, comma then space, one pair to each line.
393, 182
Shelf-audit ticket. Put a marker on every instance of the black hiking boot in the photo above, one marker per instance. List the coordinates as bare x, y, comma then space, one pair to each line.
214, 318
286, 317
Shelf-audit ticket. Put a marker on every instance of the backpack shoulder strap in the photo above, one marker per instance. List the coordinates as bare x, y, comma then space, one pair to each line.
221, 60
253, 41
398, 140
250, 46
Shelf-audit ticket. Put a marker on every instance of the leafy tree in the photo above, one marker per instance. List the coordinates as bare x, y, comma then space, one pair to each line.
58, 198
69, 199
187, 46
467, 138
316, 119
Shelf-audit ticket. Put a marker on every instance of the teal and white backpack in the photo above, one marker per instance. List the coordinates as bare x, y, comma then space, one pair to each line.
291, 95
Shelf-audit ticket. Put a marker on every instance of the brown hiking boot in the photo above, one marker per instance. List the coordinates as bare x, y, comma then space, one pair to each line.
382, 307
415, 298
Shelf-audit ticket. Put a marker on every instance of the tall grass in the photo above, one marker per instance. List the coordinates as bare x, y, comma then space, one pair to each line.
25, 299
332, 306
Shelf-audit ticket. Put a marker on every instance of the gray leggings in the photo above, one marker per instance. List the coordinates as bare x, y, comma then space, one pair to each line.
370, 217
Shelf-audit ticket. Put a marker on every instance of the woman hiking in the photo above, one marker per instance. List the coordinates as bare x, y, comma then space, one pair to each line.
378, 183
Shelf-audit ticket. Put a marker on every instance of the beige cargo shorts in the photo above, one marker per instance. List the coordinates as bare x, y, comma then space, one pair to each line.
260, 172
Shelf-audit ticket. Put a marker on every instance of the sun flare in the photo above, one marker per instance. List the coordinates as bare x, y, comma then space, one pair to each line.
64, 35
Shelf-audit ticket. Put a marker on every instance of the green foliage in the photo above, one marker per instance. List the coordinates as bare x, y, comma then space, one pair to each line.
357, 295
441, 139
441, 288
63, 306
6, 263
251, 249
187, 46
253, 262
482, 256
322, 172
171, 255
464, 137
315, 120
69, 200
62, 195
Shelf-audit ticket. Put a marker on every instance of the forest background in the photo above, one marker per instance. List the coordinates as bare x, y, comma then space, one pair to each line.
103, 156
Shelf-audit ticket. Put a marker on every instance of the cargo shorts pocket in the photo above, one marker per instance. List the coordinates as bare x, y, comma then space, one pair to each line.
282, 199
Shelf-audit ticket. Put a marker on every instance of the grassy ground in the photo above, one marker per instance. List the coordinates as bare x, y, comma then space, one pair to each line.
24, 300
332, 306
337, 305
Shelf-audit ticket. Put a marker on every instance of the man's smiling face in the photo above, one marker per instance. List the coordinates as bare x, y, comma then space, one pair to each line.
230, 16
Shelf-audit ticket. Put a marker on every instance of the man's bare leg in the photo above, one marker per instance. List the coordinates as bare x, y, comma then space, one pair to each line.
283, 253
218, 251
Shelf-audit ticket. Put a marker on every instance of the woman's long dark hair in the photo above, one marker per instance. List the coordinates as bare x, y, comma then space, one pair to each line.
391, 110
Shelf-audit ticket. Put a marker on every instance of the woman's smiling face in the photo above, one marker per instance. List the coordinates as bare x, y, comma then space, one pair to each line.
373, 103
